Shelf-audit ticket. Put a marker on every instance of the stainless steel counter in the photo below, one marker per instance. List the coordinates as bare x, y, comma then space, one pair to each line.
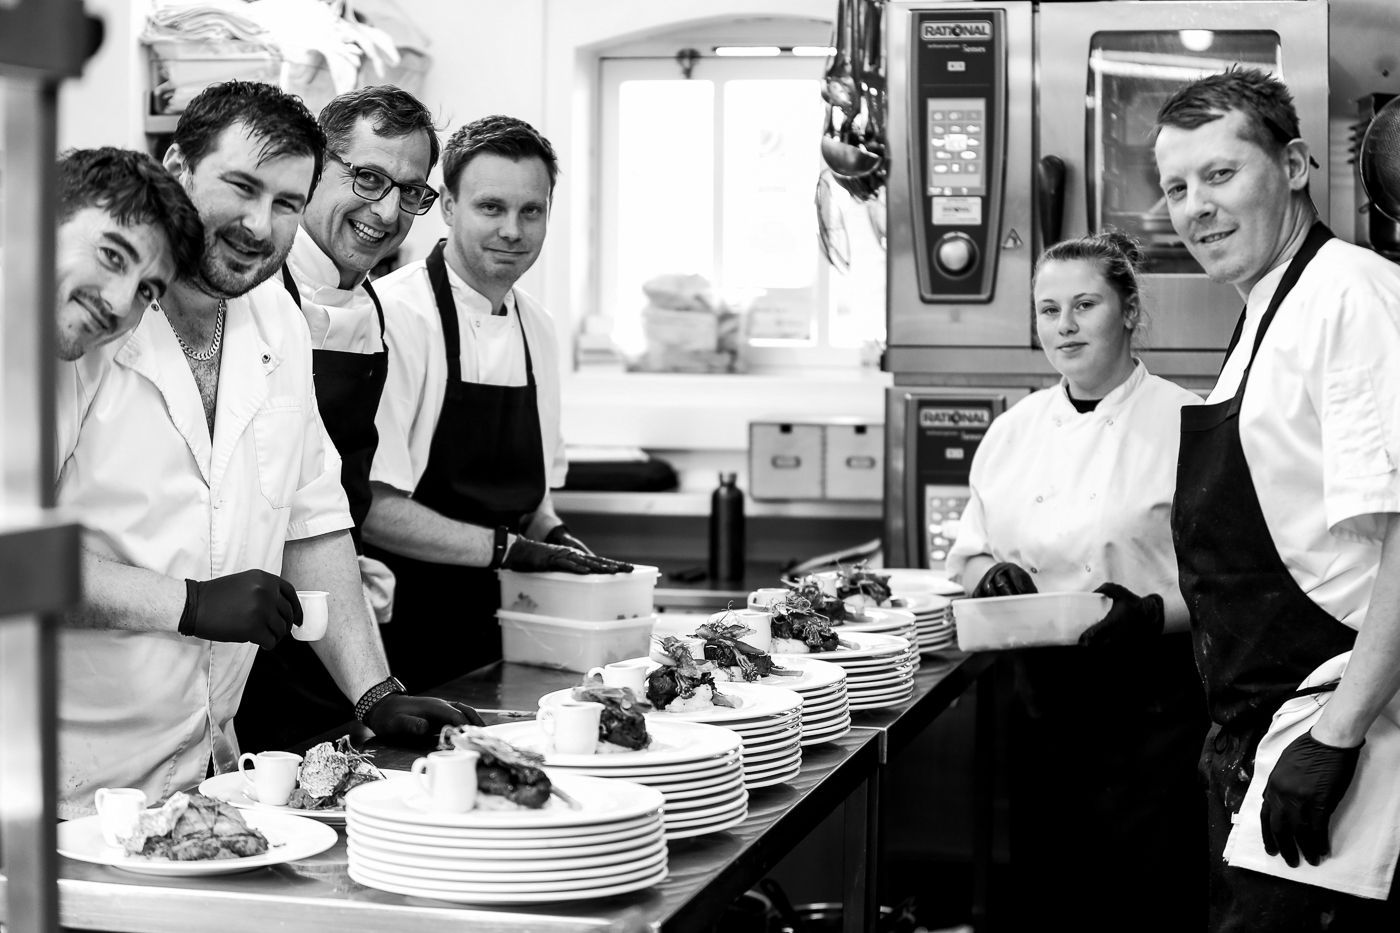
706, 873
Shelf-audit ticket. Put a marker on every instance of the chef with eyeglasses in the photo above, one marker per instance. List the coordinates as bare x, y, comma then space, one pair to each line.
380, 146
1285, 525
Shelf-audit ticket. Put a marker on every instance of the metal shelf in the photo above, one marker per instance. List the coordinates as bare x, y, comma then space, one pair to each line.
697, 504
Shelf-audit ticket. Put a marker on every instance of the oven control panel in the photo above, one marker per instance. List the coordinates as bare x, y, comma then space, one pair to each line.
958, 98
945, 432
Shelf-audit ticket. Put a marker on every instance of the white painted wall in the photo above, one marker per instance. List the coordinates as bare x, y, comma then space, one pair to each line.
105, 106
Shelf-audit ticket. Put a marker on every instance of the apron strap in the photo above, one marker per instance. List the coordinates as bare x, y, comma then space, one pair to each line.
1317, 236
529, 364
1234, 338
290, 285
379, 309
447, 311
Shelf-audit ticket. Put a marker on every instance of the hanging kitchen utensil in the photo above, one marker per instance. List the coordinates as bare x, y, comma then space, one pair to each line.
831, 225
853, 141
1380, 160
876, 213
839, 86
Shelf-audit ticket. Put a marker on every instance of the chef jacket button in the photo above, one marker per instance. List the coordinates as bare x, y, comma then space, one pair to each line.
1110, 422
1092, 495
1034, 570
1039, 498
1088, 569
1057, 422
267, 358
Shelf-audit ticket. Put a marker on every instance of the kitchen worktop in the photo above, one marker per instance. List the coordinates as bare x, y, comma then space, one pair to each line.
706, 873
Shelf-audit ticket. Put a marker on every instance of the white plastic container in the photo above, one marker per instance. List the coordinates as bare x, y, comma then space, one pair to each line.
595, 597
999, 622
570, 644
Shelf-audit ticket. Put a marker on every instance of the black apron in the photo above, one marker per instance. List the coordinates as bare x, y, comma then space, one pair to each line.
290, 696
1256, 633
486, 468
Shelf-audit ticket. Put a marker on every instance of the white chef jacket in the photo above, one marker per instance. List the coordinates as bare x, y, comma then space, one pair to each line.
1320, 421
138, 467
342, 319
1080, 500
492, 354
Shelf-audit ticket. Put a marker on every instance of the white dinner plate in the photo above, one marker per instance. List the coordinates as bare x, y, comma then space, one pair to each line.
777, 754
817, 697
767, 723
582, 882
562, 846
905, 580
706, 829
662, 772
492, 894
689, 809
519, 838
714, 815
777, 765
672, 743
289, 838
649, 858
770, 781
863, 702
830, 736
440, 859
881, 704
868, 645
232, 788
678, 787
700, 793
819, 709
771, 743
816, 674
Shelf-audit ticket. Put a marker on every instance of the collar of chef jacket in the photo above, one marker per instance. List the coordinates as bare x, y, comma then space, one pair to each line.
1110, 404
339, 318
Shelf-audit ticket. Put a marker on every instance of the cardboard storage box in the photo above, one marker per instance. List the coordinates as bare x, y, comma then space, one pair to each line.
855, 461
785, 460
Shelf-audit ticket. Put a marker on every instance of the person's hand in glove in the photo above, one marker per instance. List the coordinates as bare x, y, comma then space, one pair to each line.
562, 536
1304, 790
1131, 620
402, 715
1004, 579
537, 557
252, 606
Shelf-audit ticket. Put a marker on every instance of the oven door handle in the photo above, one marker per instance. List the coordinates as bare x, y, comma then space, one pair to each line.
1050, 194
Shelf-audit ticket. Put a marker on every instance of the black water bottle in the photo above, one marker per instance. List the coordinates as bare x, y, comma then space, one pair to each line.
727, 530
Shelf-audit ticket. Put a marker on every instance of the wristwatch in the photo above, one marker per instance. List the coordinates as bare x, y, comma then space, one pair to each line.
376, 693
501, 547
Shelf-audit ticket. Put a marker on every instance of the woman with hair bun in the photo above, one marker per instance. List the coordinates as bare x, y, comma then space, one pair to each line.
1071, 492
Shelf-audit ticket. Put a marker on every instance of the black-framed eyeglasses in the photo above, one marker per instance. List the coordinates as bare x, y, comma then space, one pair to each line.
374, 185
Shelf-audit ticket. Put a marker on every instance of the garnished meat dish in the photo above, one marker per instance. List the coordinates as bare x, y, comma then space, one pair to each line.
682, 683
623, 721
329, 772
798, 628
734, 658
506, 777
190, 828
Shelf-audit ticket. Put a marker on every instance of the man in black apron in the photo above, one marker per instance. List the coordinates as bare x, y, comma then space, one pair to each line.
1278, 567
381, 145
469, 419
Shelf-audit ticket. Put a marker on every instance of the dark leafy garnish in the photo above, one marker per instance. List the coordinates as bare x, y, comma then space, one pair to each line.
861, 581
723, 645
682, 679
795, 618
623, 721
502, 770
329, 772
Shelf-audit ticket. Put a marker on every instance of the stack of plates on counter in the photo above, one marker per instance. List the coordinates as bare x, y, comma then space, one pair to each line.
928, 594
900, 622
696, 767
826, 714
879, 669
768, 720
906, 581
612, 844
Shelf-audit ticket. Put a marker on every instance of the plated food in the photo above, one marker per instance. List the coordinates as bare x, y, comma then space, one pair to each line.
328, 772
190, 828
507, 778
800, 628
734, 658
682, 684
622, 726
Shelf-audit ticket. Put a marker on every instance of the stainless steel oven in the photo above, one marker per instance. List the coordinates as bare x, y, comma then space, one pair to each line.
1014, 124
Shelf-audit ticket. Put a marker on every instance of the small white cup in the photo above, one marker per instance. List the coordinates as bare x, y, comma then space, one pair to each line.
313, 616
573, 725
761, 621
768, 596
631, 674
274, 776
118, 806
449, 778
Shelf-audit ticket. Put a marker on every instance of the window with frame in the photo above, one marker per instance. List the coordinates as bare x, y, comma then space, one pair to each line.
714, 175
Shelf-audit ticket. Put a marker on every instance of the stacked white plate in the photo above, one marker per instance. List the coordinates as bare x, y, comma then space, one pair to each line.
826, 714
767, 718
612, 844
696, 767
905, 581
879, 669
900, 622
933, 618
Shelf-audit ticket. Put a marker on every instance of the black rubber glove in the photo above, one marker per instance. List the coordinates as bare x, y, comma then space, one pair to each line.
252, 606
1004, 579
562, 536
399, 714
1133, 619
1304, 790
529, 556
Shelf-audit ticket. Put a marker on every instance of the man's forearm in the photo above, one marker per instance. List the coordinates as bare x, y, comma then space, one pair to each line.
399, 524
132, 599
351, 649
975, 569
1373, 673
544, 520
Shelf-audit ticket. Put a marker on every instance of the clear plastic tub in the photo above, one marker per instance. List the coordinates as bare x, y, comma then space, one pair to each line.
999, 622
572, 644
596, 597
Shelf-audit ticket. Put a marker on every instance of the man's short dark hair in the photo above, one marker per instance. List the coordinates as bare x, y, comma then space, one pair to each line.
135, 189
1271, 120
504, 136
280, 121
393, 113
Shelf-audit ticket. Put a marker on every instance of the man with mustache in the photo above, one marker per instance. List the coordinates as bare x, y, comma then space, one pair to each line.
208, 486
1285, 527
126, 229
381, 145
469, 423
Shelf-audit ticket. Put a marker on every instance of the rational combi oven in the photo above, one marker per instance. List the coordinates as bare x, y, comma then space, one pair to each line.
1012, 125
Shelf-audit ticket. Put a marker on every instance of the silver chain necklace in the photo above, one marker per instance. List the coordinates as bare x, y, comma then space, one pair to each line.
213, 351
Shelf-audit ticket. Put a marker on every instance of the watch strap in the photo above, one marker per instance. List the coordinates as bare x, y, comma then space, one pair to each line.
499, 549
376, 693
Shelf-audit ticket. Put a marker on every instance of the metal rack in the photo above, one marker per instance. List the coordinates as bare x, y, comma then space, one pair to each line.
41, 43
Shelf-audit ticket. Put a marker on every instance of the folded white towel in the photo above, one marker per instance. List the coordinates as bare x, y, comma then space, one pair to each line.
1365, 830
